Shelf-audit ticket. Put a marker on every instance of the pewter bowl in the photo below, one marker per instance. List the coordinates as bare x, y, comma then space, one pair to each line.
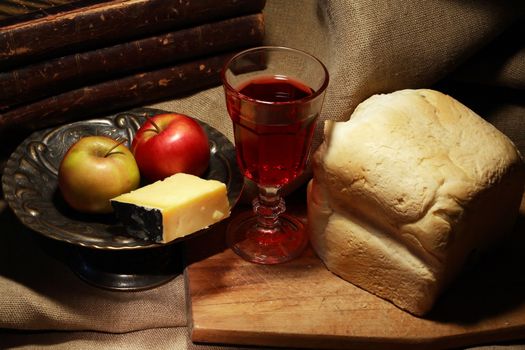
30, 181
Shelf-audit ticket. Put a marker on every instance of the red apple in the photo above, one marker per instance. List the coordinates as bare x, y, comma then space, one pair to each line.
94, 170
171, 143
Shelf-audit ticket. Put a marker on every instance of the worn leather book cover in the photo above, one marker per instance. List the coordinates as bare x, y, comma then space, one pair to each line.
33, 82
18, 11
32, 30
112, 95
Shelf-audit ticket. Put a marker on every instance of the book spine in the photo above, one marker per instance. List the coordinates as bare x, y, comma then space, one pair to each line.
47, 78
131, 91
18, 11
109, 23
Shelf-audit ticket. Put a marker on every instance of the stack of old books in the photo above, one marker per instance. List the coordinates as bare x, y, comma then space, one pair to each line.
62, 60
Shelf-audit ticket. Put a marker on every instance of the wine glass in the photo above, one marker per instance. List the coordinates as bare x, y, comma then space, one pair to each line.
273, 96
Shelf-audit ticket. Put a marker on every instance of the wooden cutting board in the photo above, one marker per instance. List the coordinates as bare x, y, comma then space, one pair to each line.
302, 304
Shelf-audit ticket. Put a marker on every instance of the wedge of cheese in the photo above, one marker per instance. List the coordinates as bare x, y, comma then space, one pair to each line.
172, 208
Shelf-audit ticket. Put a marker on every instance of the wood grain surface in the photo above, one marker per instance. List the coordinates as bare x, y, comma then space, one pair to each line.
302, 304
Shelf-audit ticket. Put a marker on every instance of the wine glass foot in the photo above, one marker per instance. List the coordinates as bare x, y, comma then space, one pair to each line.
267, 246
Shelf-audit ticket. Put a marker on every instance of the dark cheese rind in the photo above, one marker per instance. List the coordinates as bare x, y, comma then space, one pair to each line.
140, 222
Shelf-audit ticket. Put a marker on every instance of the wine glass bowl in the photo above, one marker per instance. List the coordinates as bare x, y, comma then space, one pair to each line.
273, 96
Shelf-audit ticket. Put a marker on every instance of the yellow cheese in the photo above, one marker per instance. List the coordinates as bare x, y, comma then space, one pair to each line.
172, 208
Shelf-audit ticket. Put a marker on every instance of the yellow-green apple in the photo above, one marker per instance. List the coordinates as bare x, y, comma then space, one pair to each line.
170, 143
94, 170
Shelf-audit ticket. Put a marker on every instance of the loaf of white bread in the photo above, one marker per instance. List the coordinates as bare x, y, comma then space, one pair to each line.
406, 190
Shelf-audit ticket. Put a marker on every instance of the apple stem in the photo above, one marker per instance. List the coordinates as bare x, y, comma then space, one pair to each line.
110, 152
157, 129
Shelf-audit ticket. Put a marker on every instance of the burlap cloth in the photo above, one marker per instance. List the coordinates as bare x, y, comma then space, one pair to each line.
473, 50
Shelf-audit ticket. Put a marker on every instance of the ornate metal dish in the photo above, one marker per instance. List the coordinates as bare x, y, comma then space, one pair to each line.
30, 181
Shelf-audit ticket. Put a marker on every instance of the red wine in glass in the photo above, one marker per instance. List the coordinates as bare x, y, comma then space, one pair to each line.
274, 96
273, 153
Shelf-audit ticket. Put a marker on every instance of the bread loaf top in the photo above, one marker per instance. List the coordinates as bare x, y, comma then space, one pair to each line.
409, 161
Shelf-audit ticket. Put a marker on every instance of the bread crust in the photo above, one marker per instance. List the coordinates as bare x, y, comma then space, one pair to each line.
406, 189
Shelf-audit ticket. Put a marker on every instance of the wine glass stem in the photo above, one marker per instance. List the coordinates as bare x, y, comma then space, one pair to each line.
268, 206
